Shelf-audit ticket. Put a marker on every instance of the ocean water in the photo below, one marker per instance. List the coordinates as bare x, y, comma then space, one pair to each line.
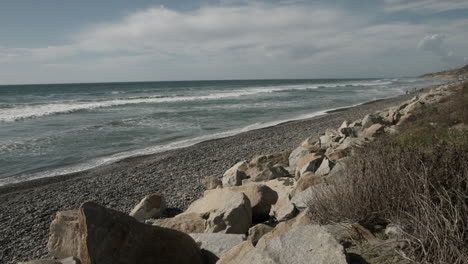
54, 129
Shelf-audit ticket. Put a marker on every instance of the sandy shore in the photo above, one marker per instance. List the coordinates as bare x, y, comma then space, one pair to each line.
26, 209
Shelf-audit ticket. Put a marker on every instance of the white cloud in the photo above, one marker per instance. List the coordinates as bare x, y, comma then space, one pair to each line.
424, 6
436, 45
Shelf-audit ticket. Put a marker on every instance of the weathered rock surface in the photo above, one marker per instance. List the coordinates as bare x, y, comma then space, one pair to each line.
185, 222
268, 167
211, 182
227, 211
235, 175
302, 244
310, 162
302, 199
214, 245
64, 238
325, 167
375, 130
283, 209
151, 206
295, 156
257, 231
307, 180
69, 260
110, 237
261, 199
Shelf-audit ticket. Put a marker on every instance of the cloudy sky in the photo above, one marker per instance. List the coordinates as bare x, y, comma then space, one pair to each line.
56, 41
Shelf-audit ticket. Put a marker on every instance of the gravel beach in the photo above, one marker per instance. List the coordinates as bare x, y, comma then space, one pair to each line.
26, 209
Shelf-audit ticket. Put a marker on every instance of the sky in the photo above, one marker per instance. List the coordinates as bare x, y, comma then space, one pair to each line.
63, 41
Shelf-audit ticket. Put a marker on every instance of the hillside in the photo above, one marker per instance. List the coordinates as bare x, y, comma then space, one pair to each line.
450, 74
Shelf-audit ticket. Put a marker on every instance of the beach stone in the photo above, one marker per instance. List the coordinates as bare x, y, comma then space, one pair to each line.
326, 141
64, 238
312, 144
325, 167
227, 211
110, 237
235, 175
211, 182
151, 206
185, 222
214, 245
297, 154
371, 119
374, 130
309, 162
257, 231
307, 180
261, 199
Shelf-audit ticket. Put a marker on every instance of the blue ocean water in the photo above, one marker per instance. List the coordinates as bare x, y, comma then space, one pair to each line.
54, 129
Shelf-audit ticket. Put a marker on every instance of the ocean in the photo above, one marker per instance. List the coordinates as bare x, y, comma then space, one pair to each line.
54, 129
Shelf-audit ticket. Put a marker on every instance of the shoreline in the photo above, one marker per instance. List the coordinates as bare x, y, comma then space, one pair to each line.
38, 181
28, 207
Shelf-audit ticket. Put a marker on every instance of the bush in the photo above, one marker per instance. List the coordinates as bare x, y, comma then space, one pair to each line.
417, 179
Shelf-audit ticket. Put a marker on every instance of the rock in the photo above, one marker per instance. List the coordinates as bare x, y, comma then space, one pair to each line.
302, 244
227, 211
325, 167
390, 130
64, 239
280, 229
412, 107
326, 141
301, 200
394, 231
338, 170
257, 231
109, 237
374, 130
214, 245
267, 167
307, 180
345, 130
339, 154
404, 119
240, 254
312, 144
185, 222
283, 209
274, 172
391, 115
42, 261
235, 175
371, 119
309, 162
211, 182
261, 199
350, 232
295, 156
151, 206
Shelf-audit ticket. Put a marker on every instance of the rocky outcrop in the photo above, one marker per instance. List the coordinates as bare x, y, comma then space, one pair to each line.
64, 238
151, 206
108, 236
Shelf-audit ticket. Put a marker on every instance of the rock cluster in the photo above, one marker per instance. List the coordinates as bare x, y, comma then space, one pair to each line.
255, 213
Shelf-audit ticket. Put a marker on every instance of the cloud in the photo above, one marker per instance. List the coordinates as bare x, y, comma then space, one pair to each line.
435, 44
424, 6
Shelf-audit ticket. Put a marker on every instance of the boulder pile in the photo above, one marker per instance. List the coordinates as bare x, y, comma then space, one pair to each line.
256, 212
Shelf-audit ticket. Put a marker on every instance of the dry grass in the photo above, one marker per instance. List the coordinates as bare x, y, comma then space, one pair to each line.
418, 180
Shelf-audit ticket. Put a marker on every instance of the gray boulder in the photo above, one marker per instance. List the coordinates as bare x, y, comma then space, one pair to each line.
64, 238
257, 231
235, 175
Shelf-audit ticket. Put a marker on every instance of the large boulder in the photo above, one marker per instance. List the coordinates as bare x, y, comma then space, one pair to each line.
151, 206
374, 130
64, 239
307, 180
309, 162
257, 231
214, 245
371, 119
261, 199
302, 244
268, 167
312, 144
185, 222
227, 211
301, 200
109, 237
297, 154
211, 182
283, 209
235, 175
325, 167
